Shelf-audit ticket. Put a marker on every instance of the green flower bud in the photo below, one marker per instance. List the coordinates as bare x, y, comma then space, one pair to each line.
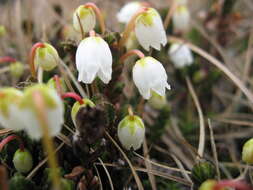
52, 84
46, 57
247, 152
156, 101
2, 31
76, 107
23, 161
208, 185
87, 19
131, 132
202, 171
16, 69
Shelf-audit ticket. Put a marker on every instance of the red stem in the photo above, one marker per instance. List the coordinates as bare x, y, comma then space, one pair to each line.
10, 138
58, 84
7, 59
130, 53
72, 95
99, 15
239, 185
32, 56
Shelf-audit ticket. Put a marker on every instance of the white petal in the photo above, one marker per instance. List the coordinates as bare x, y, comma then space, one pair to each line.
181, 19
127, 11
152, 35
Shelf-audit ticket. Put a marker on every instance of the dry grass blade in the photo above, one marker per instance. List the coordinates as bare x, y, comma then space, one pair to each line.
214, 149
136, 177
160, 165
107, 173
169, 14
219, 65
32, 173
99, 178
5, 131
235, 122
201, 119
148, 165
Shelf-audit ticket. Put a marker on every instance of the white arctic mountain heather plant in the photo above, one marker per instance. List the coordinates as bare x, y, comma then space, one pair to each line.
181, 19
87, 19
131, 132
94, 58
53, 107
149, 29
180, 55
127, 11
150, 75
10, 115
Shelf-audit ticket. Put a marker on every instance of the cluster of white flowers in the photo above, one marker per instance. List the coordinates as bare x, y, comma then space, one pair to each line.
17, 110
94, 57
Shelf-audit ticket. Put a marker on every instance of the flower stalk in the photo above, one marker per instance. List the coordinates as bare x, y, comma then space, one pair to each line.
58, 84
32, 56
74, 96
47, 141
130, 53
7, 59
99, 15
130, 26
11, 138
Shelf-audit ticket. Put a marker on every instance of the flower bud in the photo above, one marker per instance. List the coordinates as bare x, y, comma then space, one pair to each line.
23, 161
208, 185
46, 57
131, 132
77, 106
202, 171
180, 55
52, 84
2, 31
10, 114
247, 152
156, 101
181, 2
16, 69
87, 19
181, 19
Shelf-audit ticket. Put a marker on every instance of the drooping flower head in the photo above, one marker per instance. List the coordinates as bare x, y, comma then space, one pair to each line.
43, 55
181, 19
94, 58
53, 107
87, 19
10, 115
128, 10
180, 55
247, 152
131, 132
150, 75
149, 29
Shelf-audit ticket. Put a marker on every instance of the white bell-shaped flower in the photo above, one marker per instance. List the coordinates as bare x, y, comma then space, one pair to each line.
54, 111
131, 132
149, 30
10, 115
180, 55
94, 58
87, 19
181, 19
127, 11
149, 74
